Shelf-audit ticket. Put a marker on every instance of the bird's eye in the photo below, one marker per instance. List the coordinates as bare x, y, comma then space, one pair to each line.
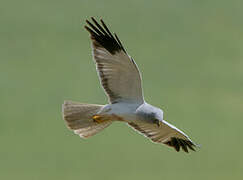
157, 122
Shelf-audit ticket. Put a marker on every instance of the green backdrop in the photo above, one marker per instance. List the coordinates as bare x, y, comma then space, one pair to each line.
190, 55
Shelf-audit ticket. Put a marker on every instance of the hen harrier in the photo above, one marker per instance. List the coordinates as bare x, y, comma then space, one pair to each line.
121, 80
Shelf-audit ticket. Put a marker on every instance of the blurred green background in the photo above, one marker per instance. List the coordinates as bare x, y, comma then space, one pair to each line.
190, 55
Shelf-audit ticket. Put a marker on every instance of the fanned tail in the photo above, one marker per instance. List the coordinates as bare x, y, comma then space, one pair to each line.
78, 118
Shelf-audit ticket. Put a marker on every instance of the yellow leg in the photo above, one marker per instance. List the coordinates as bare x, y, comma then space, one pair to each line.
98, 119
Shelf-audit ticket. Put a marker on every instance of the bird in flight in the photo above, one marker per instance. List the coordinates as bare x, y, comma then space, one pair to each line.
121, 80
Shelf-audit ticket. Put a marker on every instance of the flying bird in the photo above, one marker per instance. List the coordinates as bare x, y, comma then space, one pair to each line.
121, 80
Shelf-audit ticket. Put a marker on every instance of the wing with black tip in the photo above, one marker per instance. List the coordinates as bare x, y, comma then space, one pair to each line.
118, 72
164, 133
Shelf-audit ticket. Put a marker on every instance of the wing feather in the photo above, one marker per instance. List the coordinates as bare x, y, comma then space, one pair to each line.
118, 72
165, 133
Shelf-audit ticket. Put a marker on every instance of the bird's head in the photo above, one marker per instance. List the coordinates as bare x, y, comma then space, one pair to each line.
151, 113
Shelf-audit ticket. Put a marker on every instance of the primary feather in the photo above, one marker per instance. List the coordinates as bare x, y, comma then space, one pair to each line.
118, 73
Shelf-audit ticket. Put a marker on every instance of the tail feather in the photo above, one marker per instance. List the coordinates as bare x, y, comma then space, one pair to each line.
78, 117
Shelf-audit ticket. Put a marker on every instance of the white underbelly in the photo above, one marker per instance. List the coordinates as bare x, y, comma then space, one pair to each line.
124, 111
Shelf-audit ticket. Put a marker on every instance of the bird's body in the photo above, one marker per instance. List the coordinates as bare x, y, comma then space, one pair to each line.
121, 80
129, 112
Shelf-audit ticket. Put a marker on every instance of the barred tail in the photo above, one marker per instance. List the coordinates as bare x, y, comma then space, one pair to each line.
78, 117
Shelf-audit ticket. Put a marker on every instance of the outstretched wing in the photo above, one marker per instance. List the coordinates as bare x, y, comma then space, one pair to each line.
118, 73
165, 133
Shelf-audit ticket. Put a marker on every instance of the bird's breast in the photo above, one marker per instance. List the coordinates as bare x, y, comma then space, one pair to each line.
121, 111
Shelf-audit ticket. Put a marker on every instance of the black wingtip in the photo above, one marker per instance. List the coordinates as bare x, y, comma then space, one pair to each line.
178, 143
103, 37
183, 146
87, 21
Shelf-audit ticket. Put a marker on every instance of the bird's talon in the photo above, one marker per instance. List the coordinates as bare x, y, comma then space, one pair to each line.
97, 119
